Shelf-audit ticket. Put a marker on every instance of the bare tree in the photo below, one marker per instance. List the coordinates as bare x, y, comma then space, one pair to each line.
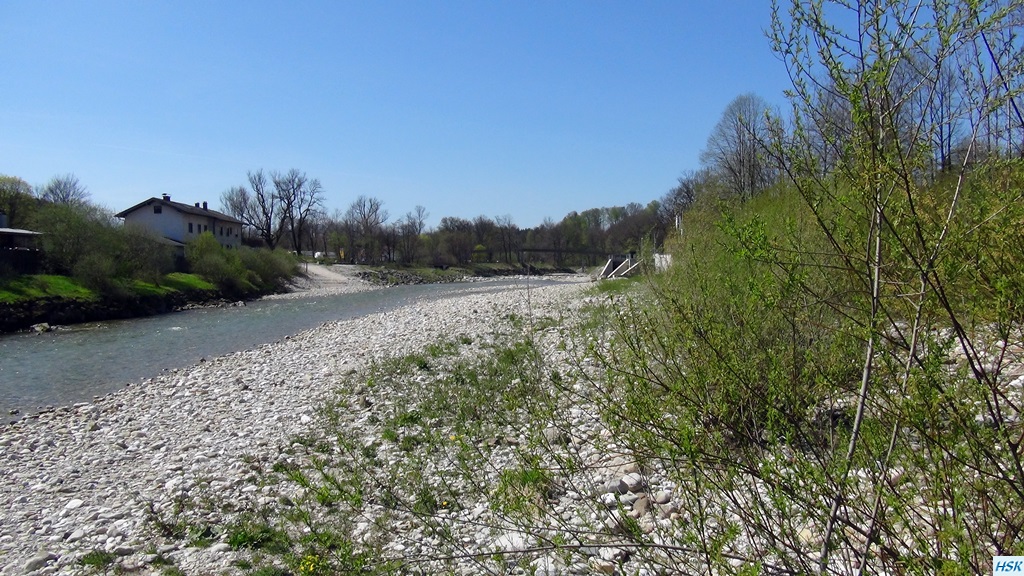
411, 227
828, 126
458, 238
508, 236
298, 197
690, 185
64, 189
366, 216
390, 237
369, 213
484, 232
317, 229
257, 207
234, 201
736, 147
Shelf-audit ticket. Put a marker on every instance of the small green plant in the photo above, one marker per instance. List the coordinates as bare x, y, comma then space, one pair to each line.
409, 442
97, 559
441, 349
523, 491
417, 362
617, 286
202, 536
410, 418
389, 434
254, 534
168, 525
426, 502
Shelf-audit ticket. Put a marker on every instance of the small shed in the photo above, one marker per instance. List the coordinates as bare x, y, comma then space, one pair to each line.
19, 249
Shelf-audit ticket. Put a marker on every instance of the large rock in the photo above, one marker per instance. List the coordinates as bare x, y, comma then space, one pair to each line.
38, 561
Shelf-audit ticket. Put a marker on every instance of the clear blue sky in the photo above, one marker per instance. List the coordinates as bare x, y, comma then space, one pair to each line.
521, 108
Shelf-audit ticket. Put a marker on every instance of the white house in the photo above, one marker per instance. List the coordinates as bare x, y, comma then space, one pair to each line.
179, 223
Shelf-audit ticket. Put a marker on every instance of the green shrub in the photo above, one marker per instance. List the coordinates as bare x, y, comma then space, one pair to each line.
221, 266
82, 241
270, 269
97, 272
143, 256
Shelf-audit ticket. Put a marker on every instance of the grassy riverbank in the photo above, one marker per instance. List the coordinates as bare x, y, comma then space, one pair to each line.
34, 299
33, 287
90, 295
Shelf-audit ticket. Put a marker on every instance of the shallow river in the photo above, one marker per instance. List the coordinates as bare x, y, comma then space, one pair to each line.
73, 365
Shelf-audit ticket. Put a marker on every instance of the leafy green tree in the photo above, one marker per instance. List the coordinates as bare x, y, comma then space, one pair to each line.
901, 239
16, 201
70, 232
80, 240
268, 270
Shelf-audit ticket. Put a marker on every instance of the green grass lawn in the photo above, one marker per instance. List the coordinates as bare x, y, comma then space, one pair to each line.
33, 287
186, 282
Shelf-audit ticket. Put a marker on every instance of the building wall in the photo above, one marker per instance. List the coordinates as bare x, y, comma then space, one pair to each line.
169, 223
174, 224
228, 234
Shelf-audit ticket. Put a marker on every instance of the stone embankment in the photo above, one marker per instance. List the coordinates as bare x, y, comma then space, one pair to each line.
96, 476
61, 311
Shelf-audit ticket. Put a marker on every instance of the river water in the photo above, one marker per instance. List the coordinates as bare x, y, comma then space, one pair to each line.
74, 364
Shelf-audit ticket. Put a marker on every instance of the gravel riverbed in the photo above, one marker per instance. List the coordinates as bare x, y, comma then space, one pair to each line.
89, 477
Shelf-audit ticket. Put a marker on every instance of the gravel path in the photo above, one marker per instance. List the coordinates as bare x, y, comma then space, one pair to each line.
319, 280
90, 477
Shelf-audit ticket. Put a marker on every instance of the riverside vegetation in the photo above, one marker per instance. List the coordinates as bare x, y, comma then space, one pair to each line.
131, 275
695, 422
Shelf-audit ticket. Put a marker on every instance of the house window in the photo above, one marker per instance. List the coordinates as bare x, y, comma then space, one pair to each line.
206, 228
157, 209
189, 227
221, 230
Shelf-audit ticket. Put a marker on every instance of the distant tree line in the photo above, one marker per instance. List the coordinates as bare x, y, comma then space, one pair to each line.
288, 211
